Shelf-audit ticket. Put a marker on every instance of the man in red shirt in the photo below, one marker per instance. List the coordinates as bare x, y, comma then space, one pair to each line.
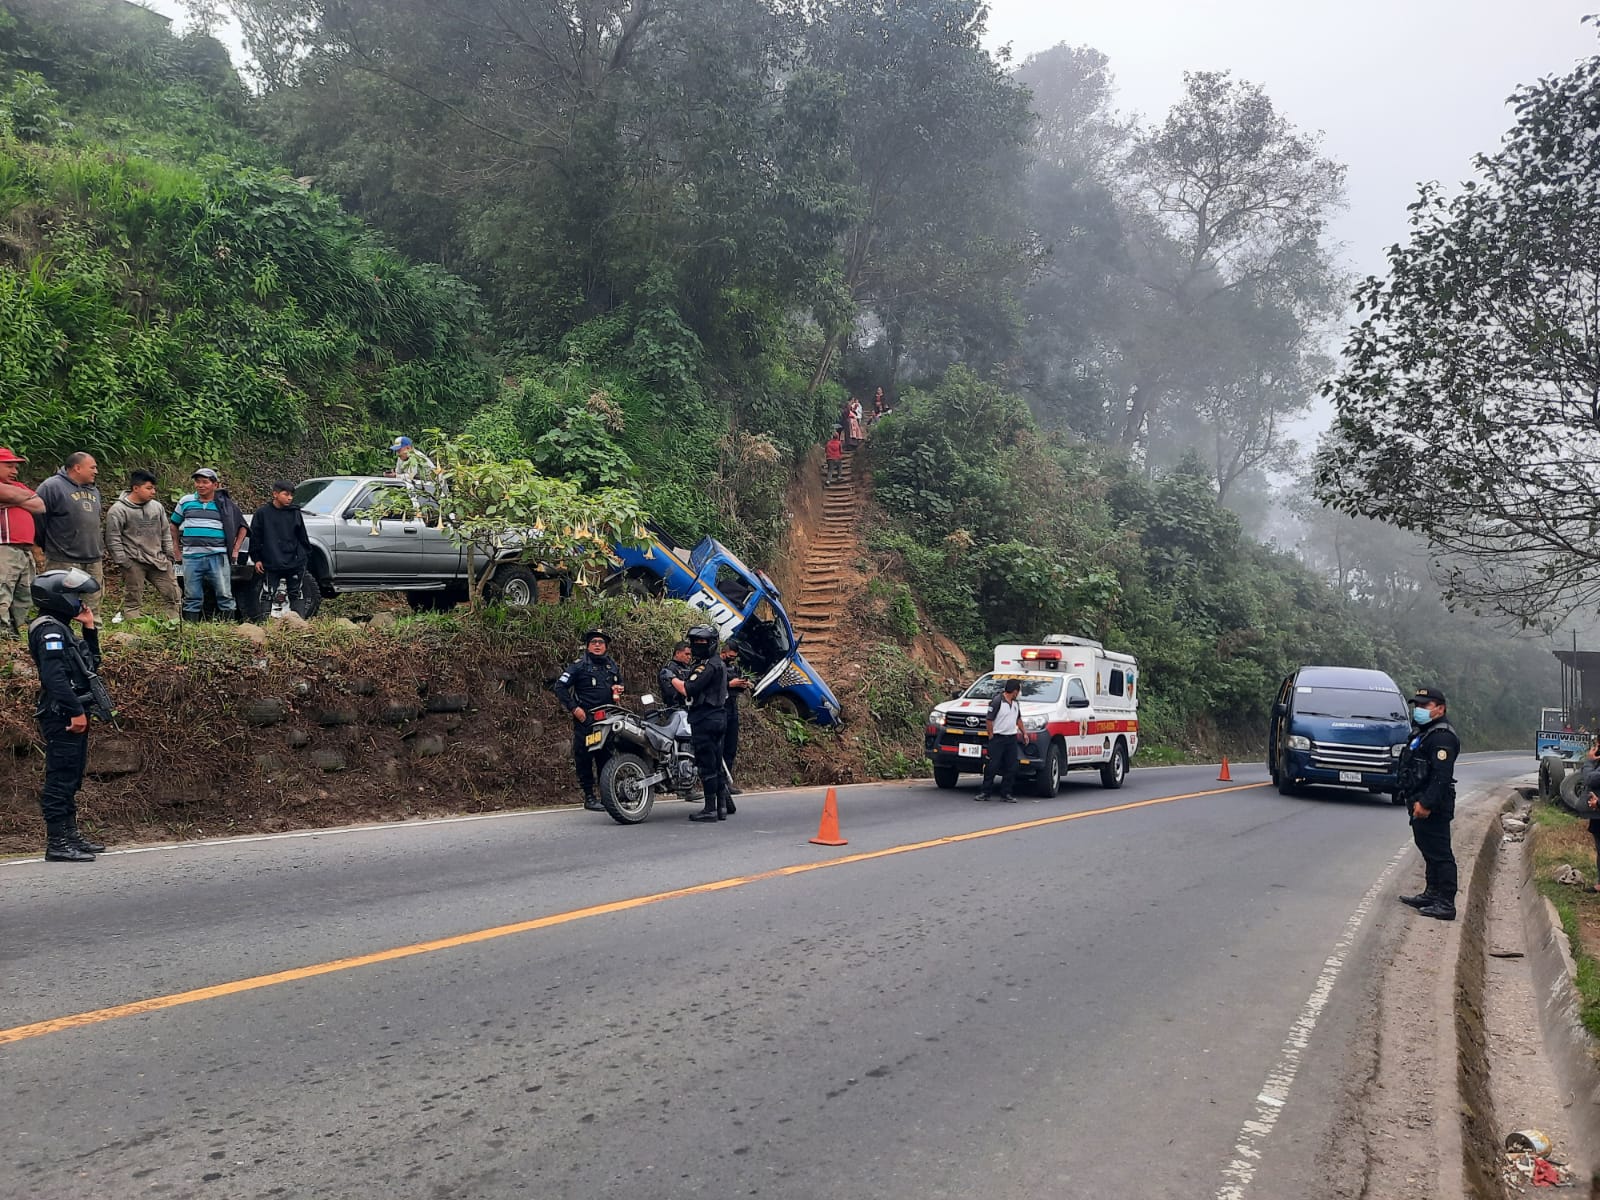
834, 461
18, 506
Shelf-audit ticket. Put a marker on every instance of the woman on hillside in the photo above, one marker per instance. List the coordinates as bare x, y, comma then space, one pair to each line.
853, 433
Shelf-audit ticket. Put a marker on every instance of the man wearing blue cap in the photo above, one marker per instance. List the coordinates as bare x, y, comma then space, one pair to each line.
409, 461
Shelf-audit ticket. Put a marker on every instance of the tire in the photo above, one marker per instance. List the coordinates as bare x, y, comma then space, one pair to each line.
1048, 781
945, 777
786, 705
1115, 772
1555, 769
310, 596
1288, 787
640, 587
1396, 798
515, 586
1272, 768
440, 601
620, 791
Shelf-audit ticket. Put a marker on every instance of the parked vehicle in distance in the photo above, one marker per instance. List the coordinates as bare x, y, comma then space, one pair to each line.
1080, 708
1343, 726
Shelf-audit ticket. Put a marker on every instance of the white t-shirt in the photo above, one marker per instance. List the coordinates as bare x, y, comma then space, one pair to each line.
1007, 717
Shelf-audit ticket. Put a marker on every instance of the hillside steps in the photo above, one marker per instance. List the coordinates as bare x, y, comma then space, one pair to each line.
815, 611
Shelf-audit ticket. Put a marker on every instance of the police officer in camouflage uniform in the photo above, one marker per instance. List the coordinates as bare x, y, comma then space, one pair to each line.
65, 662
591, 682
1428, 790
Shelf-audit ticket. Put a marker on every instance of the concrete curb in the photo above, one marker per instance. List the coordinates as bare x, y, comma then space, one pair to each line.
1574, 1052
1469, 1149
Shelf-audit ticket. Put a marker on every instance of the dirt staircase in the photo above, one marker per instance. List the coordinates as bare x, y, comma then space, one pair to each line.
816, 612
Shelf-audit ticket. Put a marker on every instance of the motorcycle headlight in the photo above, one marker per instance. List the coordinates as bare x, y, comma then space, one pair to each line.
1297, 742
1035, 724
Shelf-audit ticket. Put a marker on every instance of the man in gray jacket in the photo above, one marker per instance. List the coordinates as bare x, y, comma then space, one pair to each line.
69, 529
139, 544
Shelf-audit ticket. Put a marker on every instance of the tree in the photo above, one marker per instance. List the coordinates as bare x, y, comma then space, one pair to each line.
1468, 404
1236, 198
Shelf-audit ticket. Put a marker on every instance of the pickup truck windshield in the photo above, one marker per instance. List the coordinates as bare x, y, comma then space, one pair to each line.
1044, 690
1349, 704
321, 496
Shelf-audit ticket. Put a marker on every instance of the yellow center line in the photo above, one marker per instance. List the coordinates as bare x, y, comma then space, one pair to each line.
97, 1016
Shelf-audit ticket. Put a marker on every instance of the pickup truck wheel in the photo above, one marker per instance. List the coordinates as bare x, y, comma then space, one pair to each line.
515, 586
1115, 771
310, 596
1048, 781
786, 705
640, 587
439, 601
946, 777
622, 790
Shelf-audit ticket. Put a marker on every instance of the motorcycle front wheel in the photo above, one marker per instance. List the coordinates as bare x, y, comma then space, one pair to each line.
623, 790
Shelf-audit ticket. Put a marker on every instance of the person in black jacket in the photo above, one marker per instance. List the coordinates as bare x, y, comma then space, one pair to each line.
738, 685
590, 682
706, 690
64, 662
280, 546
677, 668
1428, 790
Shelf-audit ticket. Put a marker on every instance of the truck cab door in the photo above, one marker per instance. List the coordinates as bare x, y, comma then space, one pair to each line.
394, 553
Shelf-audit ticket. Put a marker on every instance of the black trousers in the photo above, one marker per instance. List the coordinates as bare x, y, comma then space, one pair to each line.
65, 755
1432, 835
1594, 832
707, 732
730, 735
1005, 755
295, 590
585, 762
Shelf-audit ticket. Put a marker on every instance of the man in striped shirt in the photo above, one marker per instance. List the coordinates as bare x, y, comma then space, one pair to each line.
210, 530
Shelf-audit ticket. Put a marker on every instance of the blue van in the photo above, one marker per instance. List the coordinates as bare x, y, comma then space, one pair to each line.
1337, 725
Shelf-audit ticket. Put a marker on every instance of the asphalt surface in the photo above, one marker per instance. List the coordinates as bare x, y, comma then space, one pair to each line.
1085, 1007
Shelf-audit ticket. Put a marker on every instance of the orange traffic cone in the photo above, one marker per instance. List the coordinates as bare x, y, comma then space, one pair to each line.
828, 831
1224, 777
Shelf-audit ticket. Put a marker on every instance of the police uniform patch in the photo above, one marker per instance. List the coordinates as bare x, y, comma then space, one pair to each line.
1443, 754
53, 644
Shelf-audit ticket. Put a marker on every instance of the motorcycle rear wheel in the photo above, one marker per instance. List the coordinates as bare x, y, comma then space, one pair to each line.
622, 790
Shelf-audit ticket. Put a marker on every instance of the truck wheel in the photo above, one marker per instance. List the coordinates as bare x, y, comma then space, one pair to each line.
786, 705
640, 587
1048, 781
1115, 771
946, 777
1287, 786
623, 790
439, 601
515, 586
310, 596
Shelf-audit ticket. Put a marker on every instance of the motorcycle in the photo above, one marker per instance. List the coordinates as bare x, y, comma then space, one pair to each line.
649, 753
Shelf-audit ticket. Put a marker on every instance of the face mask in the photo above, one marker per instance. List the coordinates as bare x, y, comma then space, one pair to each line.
1421, 716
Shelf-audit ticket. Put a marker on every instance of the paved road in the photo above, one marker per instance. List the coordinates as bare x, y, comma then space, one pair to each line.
1083, 1007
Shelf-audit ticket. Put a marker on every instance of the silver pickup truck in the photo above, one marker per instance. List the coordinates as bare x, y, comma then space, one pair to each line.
408, 553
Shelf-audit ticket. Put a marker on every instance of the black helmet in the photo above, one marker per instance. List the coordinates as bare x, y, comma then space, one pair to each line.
702, 640
60, 593
597, 633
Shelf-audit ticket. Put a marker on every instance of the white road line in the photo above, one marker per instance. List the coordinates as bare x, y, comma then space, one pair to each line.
1239, 1173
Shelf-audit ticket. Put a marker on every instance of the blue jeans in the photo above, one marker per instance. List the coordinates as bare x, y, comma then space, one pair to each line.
197, 570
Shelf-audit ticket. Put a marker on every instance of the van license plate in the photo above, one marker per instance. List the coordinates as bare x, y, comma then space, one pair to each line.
595, 738
1349, 776
969, 750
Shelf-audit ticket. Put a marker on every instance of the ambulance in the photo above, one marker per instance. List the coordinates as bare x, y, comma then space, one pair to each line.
1080, 709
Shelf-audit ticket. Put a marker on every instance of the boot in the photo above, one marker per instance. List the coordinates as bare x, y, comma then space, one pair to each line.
708, 813
727, 802
59, 849
591, 803
82, 843
722, 803
1420, 900
1443, 908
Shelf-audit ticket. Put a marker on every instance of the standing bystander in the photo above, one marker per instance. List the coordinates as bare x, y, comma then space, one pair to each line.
738, 685
69, 529
833, 459
280, 546
210, 531
1005, 742
139, 545
18, 507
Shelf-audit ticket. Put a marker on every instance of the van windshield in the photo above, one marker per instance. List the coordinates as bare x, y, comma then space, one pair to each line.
1350, 704
1043, 688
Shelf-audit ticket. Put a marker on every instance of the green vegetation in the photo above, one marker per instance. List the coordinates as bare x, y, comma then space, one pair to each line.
1560, 837
659, 259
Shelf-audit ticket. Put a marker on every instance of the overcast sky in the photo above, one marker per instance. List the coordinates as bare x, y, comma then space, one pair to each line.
1403, 90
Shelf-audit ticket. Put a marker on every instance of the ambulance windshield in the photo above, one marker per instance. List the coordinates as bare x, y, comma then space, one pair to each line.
1041, 689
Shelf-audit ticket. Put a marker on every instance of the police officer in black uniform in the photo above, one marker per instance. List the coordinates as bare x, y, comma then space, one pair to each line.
592, 682
65, 663
1428, 790
676, 668
706, 690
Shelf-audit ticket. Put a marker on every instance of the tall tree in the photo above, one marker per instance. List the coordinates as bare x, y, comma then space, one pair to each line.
1237, 198
1467, 408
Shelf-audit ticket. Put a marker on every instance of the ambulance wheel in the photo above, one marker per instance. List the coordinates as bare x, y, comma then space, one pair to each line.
1048, 781
946, 777
1115, 771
